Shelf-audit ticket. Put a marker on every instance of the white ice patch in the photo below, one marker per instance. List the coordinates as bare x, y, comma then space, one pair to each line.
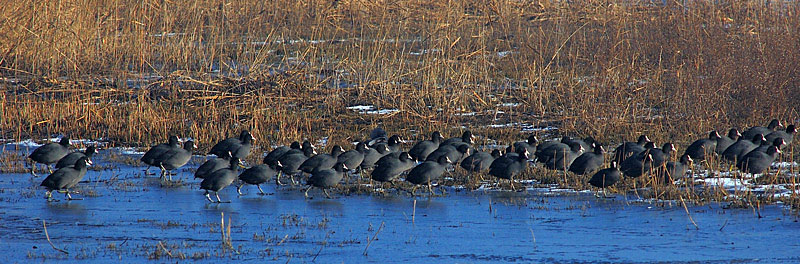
129, 151
503, 54
371, 110
525, 127
726, 183
322, 142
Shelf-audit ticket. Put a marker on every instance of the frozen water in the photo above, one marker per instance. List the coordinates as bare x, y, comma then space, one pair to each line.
125, 216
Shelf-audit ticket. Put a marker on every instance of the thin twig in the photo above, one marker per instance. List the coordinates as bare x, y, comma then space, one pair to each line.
687, 213
165, 249
414, 211
324, 243
373, 237
284, 239
51, 242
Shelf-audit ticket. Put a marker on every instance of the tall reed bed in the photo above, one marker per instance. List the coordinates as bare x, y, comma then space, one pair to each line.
137, 71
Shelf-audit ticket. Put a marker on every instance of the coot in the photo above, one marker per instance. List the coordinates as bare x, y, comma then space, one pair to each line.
628, 149
466, 137
238, 147
758, 162
353, 158
606, 177
422, 149
212, 165
220, 179
389, 169
529, 144
773, 125
676, 170
154, 152
588, 161
787, 136
701, 148
563, 158
175, 158
506, 167
275, 155
322, 161
326, 178
480, 160
49, 153
726, 141
71, 158
257, 175
741, 147
65, 178
427, 172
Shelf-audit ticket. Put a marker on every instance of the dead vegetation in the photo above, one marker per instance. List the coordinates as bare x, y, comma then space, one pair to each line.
135, 72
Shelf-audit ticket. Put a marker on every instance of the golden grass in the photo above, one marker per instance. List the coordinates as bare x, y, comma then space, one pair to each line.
207, 68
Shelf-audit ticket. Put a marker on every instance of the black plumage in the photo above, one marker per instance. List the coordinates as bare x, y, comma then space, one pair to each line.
65, 178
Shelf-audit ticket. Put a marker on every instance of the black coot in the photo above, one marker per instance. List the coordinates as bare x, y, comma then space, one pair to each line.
373, 155
787, 136
238, 147
466, 137
427, 172
563, 158
456, 154
506, 167
275, 155
701, 148
637, 165
606, 177
777, 142
389, 169
353, 158
480, 160
648, 160
257, 175
65, 178
291, 163
547, 150
529, 145
422, 149
377, 135
773, 125
71, 158
586, 143
588, 161
544, 150
306, 146
675, 170
628, 149
326, 178
393, 144
741, 147
154, 152
220, 179
322, 161
726, 141
212, 165
49, 153
175, 158
758, 162
661, 156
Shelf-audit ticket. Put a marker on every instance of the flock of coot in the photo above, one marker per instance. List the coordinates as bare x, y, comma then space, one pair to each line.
752, 151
